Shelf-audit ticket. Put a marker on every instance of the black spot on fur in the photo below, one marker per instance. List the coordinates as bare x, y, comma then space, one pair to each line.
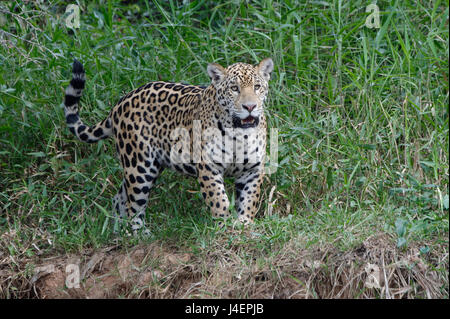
84, 137
98, 132
71, 100
128, 149
141, 202
140, 180
81, 128
190, 169
141, 169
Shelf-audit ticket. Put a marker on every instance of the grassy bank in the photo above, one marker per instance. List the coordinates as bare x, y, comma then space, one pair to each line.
362, 116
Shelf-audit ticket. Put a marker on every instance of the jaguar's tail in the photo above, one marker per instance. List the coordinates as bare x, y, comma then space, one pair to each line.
76, 126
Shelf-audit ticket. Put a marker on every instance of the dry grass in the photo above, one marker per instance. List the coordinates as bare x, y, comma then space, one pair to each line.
375, 269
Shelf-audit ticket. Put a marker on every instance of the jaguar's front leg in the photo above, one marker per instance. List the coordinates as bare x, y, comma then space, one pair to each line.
248, 188
213, 190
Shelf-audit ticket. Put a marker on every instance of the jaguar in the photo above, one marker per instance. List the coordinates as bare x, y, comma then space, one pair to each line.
208, 132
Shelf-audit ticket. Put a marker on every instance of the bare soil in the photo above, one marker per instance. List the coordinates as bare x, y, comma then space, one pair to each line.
375, 269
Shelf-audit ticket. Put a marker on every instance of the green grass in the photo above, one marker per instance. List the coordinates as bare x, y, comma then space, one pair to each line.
362, 116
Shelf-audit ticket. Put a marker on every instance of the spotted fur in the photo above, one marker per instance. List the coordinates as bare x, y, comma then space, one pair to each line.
151, 123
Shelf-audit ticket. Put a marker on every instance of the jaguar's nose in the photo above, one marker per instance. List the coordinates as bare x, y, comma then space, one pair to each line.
249, 107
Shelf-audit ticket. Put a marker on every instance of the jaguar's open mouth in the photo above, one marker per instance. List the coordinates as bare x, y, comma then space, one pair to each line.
249, 121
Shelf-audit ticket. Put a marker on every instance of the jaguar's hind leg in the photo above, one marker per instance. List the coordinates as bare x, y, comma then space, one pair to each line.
138, 181
119, 202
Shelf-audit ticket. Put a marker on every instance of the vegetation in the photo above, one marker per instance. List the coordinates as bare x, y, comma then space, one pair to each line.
363, 133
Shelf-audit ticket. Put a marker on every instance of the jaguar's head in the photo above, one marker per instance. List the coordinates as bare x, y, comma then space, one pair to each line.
242, 89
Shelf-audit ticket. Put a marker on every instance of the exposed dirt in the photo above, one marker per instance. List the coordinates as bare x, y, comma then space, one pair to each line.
375, 269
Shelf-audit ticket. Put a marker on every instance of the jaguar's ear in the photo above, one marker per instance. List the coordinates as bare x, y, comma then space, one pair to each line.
265, 67
216, 72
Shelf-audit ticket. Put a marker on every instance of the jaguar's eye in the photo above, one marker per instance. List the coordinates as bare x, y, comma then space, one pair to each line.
257, 87
235, 88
